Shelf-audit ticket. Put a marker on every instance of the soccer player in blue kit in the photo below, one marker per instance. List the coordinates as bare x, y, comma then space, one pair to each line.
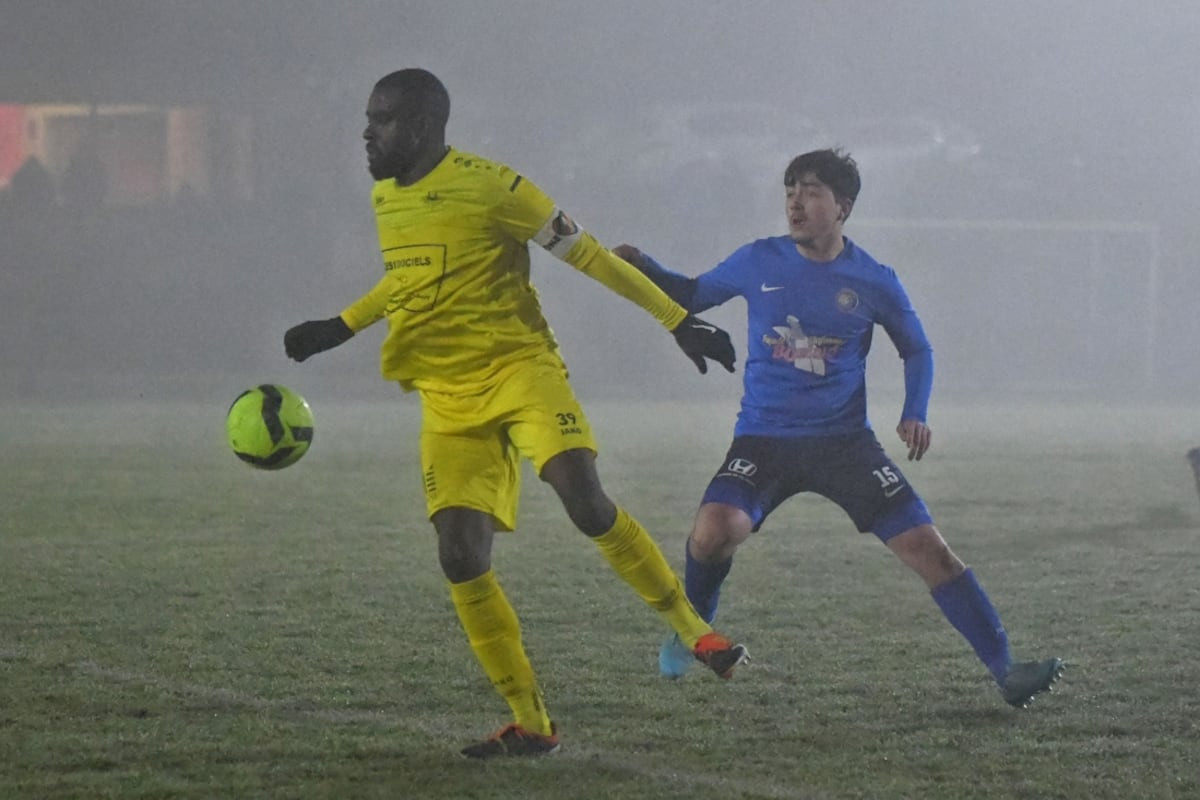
813, 299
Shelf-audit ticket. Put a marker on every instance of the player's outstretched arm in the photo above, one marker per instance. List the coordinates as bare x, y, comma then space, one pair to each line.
315, 336
697, 338
679, 288
700, 340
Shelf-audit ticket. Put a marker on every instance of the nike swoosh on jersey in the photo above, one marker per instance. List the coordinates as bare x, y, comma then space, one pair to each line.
708, 328
766, 288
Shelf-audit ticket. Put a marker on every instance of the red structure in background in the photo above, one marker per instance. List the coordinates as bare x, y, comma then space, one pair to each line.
12, 141
142, 154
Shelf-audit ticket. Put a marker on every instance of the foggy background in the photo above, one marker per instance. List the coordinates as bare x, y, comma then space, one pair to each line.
1029, 168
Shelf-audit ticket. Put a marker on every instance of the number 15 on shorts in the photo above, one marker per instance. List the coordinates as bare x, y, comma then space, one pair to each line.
889, 481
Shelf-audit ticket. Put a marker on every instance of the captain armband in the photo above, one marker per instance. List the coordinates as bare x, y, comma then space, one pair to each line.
559, 234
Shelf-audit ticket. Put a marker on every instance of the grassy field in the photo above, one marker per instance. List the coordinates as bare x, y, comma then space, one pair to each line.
175, 624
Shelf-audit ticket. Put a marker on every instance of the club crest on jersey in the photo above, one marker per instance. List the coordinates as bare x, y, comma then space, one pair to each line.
847, 300
808, 353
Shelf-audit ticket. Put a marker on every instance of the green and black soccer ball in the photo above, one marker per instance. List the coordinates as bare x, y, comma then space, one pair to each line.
269, 426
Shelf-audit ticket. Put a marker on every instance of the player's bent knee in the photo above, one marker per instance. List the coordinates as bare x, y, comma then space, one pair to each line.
464, 543
593, 517
461, 564
591, 511
572, 475
718, 531
924, 550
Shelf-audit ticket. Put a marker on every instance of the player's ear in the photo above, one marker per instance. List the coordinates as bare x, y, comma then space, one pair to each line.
420, 128
424, 128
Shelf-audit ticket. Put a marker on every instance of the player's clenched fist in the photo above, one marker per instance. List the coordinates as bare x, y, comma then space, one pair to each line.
315, 336
700, 340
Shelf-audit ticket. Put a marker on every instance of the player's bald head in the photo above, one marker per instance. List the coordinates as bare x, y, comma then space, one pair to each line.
421, 91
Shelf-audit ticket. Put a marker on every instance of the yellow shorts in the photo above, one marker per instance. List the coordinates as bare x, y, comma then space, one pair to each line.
472, 445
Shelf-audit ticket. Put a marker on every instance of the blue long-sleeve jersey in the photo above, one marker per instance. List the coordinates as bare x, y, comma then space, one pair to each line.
809, 327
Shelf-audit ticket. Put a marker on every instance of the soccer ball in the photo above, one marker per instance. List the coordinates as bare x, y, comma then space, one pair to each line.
269, 426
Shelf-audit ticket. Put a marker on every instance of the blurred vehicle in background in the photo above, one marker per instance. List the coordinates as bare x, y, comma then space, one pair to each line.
891, 141
666, 139
916, 166
758, 139
695, 178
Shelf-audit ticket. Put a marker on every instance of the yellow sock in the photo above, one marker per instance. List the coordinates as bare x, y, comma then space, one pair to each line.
495, 636
637, 559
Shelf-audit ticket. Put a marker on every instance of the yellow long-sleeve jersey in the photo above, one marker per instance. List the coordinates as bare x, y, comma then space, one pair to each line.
456, 289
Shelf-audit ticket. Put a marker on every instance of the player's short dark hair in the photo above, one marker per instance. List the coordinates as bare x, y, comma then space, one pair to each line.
834, 168
422, 88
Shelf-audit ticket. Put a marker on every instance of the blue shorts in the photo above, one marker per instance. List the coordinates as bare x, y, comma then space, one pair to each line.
852, 470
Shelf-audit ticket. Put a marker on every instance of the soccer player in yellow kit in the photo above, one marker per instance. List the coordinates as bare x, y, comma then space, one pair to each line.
466, 332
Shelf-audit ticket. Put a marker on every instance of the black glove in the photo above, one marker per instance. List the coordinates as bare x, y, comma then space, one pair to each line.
699, 340
315, 336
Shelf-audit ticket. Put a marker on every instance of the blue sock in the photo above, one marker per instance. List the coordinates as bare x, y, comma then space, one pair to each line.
702, 583
967, 607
